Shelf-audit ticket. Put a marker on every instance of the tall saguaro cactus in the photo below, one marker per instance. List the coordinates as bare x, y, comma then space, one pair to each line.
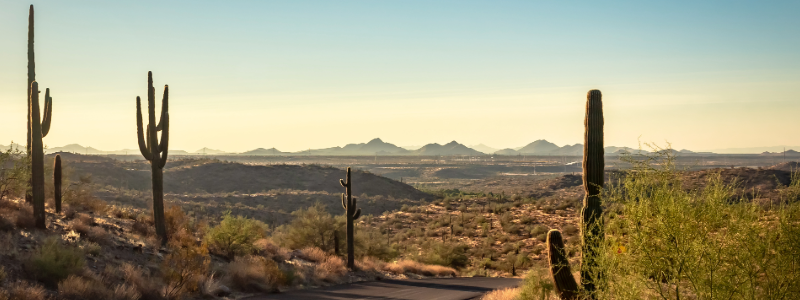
154, 151
591, 214
57, 183
352, 213
38, 129
48, 100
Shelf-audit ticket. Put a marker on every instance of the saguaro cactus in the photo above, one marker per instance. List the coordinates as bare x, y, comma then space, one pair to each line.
57, 183
47, 108
154, 151
38, 130
591, 215
352, 213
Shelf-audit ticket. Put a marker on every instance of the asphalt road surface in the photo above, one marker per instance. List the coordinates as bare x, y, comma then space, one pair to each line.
414, 289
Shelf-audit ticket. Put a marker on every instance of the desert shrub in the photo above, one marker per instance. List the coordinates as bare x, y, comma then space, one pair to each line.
234, 236
79, 288
409, 266
54, 261
24, 217
139, 279
330, 270
537, 285
81, 196
539, 229
175, 220
570, 229
310, 227
677, 243
502, 294
185, 265
445, 254
255, 274
90, 248
23, 290
312, 254
370, 264
268, 249
370, 242
143, 229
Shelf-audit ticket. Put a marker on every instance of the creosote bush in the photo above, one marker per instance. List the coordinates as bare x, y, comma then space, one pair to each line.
53, 261
234, 236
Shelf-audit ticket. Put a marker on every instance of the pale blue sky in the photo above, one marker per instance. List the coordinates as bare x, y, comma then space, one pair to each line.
311, 74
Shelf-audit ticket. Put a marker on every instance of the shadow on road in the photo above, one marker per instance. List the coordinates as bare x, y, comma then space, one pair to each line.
439, 288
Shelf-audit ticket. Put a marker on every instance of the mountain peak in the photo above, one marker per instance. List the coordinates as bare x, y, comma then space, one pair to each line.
375, 141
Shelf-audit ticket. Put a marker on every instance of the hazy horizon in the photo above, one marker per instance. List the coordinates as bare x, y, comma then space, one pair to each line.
317, 74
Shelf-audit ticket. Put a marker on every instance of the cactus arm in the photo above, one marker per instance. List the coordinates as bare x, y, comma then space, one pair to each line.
357, 214
163, 147
164, 108
565, 284
344, 201
48, 112
143, 145
342, 182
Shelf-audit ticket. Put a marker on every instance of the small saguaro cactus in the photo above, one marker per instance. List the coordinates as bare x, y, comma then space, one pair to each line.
38, 130
352, 212
57, 183
591, 215
154, 151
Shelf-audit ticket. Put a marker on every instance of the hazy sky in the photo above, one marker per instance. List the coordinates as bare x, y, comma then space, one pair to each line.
312, 74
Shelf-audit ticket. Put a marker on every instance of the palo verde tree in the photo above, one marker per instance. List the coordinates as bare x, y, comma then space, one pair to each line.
155, 151
352, 213
591, 215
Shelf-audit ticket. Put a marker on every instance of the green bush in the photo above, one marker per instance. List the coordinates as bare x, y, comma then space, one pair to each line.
54, 261
704, 242
311, 227
234, 236
445, 254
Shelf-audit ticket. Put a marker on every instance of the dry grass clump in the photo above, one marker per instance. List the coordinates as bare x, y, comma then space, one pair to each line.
269, 249
23, 290
139, 279
312, 254
23, 217
370, 264
331, 270
210, 286
255, 274
80, 288
410, 266
502, 294
87, 227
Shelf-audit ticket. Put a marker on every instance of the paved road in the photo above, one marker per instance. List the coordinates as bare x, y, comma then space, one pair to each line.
415, 289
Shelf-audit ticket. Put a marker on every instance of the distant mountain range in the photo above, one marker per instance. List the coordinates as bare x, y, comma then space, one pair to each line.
379, 147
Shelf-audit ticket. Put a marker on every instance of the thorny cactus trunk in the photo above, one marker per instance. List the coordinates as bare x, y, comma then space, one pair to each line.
154, 151
57, 183
591, 215
352, 212
38, 129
